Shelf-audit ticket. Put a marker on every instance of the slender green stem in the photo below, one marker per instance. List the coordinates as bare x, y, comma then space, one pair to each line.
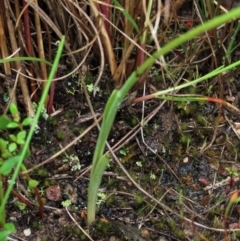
14, 59
205, 77
33, 126
2, 216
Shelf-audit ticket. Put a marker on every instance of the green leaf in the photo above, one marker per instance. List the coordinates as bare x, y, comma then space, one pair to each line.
4, 149
4, 121
12, 125
13, 137
4, 235
12, 147
127, 15
8, 165
21, 137
13, 109
95, 180
6, 154
27, 121
3, 145
8, 229
32, 183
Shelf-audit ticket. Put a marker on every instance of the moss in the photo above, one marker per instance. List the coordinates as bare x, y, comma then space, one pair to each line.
145, 178
36, 225
82, 237
76, 131
217, 210
134, 121
161, 226
123, 203
102, 227
49, 182
111, 182
60, 135
191, 90
110, 201
180, 234
89, 78
184, 126
201, 120
42, 172
81, 130
77, 231
69, 115
172, 225
140, 213
185, 139
194, 150
67, 229
52, 120
206, 234
139, 199
216, 222
148, 208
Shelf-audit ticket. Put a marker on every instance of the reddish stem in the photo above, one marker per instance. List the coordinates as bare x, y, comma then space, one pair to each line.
40, 202
16, 194
142, 98
51, 96
105, 10
30, 50
22, 199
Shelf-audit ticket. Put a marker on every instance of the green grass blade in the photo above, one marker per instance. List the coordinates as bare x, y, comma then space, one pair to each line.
33, 59
127, 15
94, 186
205, 77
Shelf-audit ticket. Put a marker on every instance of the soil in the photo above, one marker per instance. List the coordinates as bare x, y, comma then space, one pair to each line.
186, 155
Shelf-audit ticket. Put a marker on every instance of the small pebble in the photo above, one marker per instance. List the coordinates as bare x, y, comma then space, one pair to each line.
53, 193
27, 232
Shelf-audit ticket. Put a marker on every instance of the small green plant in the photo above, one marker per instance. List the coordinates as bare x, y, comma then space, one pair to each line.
91, 88
11, 146
231, 171
10, 149
71, 91
73, 161
139, 164
123, 152
152, 176
66, 203
21, 206
14, 147
44, 113
74, 75
101, 198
